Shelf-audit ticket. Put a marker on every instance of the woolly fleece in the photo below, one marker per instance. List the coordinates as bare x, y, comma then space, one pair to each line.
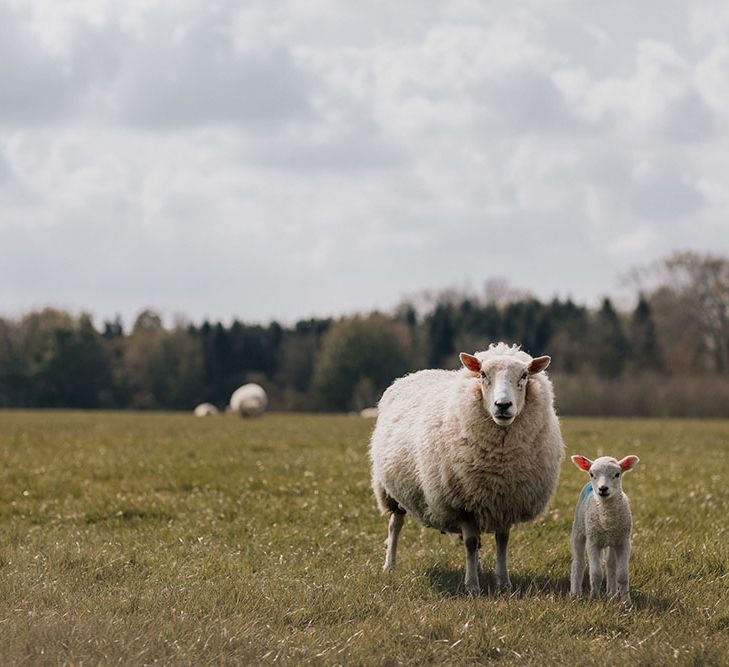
437, 454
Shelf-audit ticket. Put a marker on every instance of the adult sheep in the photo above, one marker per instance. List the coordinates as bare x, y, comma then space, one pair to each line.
205, 410
471, 451
250, 400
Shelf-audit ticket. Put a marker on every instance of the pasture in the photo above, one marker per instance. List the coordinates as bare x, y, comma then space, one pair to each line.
165, 539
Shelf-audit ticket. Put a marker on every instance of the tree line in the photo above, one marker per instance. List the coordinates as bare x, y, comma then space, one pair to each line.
668, 354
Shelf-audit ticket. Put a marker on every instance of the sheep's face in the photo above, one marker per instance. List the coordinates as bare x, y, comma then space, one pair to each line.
606, 473
503, 381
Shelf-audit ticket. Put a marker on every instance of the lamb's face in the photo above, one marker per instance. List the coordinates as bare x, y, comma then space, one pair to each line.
606, 473
503, 383
606, 477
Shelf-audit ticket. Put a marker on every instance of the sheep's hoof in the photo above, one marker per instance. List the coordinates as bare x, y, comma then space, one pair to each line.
504, 587
624, 599
473, 589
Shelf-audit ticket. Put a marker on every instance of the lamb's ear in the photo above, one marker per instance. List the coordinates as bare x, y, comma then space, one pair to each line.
539, 364
629, 462
582, 462
470, 362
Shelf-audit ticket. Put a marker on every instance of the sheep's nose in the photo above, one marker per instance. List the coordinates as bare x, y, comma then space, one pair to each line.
603, 490
503, 405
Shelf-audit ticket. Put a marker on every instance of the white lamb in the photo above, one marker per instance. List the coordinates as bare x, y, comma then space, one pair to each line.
469, 451
250, 400
205, 410
602, 521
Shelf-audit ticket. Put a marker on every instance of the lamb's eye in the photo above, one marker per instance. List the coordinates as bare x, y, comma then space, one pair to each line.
591, 475
524, 377
617, 474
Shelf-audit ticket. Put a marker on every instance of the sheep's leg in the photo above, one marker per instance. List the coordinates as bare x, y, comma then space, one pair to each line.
393, 533
594, 555
578, 565
622, 556
471, 538
611, 566
503, 583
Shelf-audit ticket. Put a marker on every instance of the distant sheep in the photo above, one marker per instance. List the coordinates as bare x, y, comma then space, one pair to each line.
603, 521
469, 451
250, 400
205, 410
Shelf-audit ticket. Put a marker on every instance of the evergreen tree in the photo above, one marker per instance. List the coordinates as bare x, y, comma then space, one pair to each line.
406, 313
511, 322
645, 352
610, 346
488, 323
77, 372
569, 340
441, 333
216, 353
113, 329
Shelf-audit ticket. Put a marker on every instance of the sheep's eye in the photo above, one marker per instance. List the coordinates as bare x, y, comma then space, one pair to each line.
524, 377
617, 474
591, 475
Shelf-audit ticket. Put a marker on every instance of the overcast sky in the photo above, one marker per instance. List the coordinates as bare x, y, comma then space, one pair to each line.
281, 159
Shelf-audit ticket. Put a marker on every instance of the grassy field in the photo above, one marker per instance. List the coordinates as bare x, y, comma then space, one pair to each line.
161, 538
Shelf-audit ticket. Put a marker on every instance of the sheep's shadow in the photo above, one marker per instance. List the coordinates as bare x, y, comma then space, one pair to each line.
450, 582
657, 603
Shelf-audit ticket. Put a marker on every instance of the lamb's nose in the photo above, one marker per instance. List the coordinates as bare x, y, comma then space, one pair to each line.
603, 490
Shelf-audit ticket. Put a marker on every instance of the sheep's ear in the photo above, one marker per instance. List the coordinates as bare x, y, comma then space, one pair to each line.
470, 362
629, 462
539, 364
582, 462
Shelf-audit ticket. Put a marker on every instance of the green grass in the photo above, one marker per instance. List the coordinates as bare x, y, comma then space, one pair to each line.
161, 538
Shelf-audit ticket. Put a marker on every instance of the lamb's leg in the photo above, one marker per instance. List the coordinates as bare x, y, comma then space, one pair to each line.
393, 532
503, 583
594, 555
471, 537
611, 565
622, 557
577, 574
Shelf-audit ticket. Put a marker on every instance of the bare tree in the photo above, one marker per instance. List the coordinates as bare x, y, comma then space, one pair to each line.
499, 292
691, 300
703, 281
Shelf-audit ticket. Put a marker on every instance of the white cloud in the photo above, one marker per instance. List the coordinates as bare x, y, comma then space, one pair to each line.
281, 159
